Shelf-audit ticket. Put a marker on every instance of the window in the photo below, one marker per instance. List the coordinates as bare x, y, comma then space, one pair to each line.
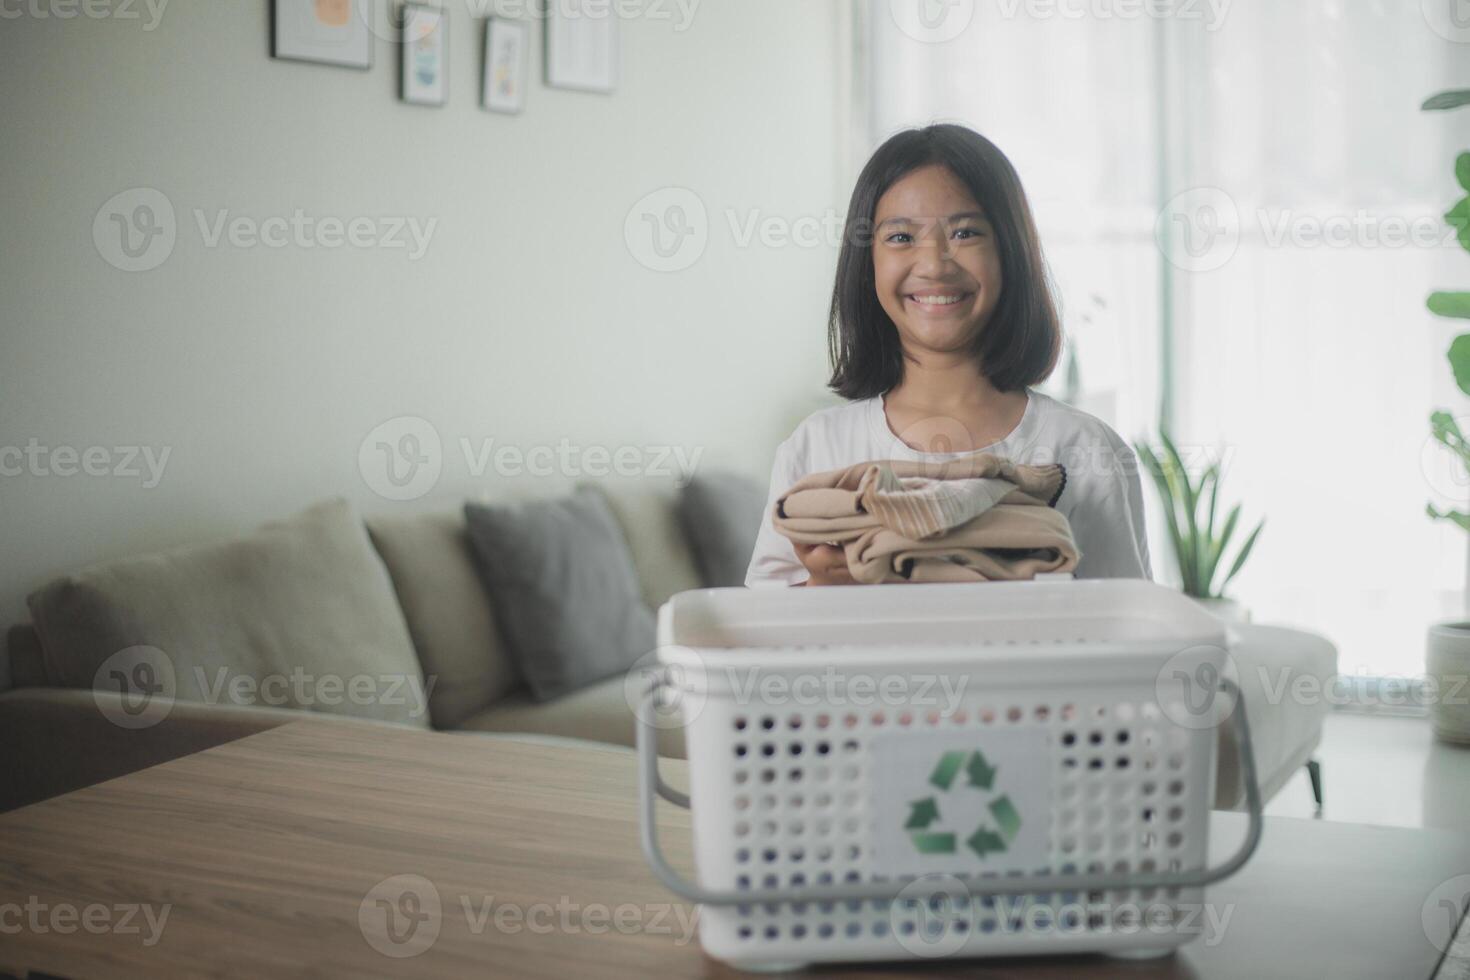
1242, 211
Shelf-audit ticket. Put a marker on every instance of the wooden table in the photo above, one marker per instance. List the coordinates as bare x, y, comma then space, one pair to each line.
272, 853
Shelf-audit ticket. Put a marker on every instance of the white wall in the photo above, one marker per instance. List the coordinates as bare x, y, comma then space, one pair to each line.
527, 321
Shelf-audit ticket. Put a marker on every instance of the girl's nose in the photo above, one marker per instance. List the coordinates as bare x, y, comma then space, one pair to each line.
936, 252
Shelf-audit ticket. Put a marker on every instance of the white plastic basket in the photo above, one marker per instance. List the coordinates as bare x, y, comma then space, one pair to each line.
970, 770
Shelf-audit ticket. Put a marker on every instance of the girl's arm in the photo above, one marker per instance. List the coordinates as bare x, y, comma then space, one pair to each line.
774, 561
1108, 524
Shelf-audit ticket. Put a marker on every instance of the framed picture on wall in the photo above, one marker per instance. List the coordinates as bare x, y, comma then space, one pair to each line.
327, 32
425, 63
581, 45
504, 88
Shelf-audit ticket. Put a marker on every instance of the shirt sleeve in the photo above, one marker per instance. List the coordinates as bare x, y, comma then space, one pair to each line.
774, 562
1109, 525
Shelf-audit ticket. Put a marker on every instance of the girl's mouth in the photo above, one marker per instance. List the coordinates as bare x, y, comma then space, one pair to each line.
933, 301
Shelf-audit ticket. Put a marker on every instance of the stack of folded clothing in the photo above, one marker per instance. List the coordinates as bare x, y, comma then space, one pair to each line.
973, 518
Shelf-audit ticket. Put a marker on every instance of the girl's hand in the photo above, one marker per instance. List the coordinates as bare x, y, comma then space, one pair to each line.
827, 564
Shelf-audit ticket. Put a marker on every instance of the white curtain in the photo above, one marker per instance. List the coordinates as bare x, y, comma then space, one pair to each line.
1307, 355
1263, 175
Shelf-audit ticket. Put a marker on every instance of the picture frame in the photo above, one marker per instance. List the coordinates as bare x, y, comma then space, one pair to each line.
581, 46
322, 32
424, 55
507, 54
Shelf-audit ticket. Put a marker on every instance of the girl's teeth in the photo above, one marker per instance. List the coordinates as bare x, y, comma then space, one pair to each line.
937, 300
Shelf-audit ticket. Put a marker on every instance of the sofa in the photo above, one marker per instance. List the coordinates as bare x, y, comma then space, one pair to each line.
58, 734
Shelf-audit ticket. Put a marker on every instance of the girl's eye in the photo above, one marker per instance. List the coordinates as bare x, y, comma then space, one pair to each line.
899, 238
969, 233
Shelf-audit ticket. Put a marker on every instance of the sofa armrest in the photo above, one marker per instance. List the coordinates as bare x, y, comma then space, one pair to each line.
55, 740
1284, 675
21, 662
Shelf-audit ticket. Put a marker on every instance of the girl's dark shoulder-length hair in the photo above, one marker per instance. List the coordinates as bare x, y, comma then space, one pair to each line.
1022, 339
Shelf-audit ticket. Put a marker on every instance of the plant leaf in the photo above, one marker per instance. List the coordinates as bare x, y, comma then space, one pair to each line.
1166, 497
1458, 517
1458, 217
1446, 100
1462, 170
1245, 552
1190, 505
1212, 476
1459, 356
1447, 431
1456, 305
1225, 535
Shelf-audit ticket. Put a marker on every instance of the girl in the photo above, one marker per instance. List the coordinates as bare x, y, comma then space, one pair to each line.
941, 320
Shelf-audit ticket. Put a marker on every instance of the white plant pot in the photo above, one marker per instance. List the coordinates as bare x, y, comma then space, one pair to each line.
1447, 661
1227, 609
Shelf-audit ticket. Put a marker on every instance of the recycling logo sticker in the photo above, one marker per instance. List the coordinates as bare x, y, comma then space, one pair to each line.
973, 800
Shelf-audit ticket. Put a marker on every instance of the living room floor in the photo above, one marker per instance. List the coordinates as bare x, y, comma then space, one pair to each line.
1383, 769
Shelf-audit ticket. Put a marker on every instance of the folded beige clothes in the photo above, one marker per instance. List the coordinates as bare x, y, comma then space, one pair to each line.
973, 518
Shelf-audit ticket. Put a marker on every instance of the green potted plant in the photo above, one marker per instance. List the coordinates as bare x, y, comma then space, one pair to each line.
1198, 549
1447, 650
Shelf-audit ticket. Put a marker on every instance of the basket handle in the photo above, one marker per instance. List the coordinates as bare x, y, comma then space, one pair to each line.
651, 782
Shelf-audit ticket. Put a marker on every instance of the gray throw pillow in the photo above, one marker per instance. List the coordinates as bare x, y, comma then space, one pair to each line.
721, 513
564, 589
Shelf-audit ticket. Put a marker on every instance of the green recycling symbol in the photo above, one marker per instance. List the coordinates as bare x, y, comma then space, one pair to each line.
924, 814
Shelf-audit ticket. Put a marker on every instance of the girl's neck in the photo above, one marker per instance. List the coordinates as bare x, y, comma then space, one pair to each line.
952, 384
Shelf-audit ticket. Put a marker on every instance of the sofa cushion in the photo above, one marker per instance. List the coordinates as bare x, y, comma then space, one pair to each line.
564, 589
721, 514
300, 613
646, 512
432, 564
599, 712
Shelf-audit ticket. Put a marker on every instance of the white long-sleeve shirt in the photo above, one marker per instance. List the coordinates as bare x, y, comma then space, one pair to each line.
1103, 498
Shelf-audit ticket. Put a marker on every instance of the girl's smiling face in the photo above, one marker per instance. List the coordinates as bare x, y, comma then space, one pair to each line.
936, 264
